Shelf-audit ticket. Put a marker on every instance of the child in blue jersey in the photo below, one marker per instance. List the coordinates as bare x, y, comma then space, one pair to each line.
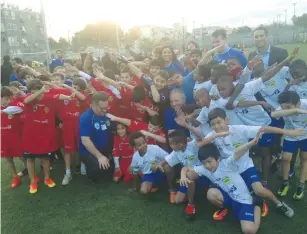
228, 137
294, 111
231, 191
146, 160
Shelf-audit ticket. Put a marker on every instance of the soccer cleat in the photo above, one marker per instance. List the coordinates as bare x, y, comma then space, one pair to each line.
67, 178
285, 209
220, 214
172, 197
264, 209
190, 211
15, 182
291, 172
49, 182
299, 194
283, 191
23, 172
33, 188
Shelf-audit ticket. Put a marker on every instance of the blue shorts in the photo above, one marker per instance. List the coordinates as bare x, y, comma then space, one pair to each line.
241, 211
292, 146
250, 176
154, 178
201, 182
268, 139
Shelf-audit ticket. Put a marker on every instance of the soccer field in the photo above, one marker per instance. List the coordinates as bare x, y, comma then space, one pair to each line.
107, 208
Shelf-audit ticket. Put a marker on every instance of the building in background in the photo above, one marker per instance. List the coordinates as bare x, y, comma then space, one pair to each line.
22, 33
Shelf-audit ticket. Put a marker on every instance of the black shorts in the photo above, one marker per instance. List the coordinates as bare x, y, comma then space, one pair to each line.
34, 156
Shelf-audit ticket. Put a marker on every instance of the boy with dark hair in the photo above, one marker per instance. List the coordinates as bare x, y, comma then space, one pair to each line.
294, 111
298, 71
146, 159
228, 137
231, 191
11, 131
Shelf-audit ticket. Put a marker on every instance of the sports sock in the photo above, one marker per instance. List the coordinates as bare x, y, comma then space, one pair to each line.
286, 182
68, 171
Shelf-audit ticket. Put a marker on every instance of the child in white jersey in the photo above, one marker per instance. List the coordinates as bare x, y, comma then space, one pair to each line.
294, 111
228, 137
231, 191
146, 160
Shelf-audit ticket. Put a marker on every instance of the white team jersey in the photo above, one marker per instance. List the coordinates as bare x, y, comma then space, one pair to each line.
301, 89
153, 155
203, 119
233, 118
297, 122
187, 158
239, 135
253, 115
228, 179
207, 85
275, 86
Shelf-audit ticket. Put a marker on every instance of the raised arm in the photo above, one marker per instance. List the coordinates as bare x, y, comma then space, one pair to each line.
242, 149
158, 138
182, 122
288, 112
135, 70
34, 96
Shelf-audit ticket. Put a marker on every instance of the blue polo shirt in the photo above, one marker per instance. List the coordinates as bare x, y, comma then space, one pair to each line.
176, 65
56, 63
188, 88
98, 128
170, 123
230, 52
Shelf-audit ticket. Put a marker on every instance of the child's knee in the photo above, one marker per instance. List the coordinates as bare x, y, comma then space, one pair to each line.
145, 190
249, 230
212, 195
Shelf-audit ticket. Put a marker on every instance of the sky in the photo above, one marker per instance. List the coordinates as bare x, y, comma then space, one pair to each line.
65, 17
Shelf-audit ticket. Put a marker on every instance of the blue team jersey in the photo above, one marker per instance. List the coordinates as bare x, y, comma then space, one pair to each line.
230, 52
56, 63
98, 128
175, 66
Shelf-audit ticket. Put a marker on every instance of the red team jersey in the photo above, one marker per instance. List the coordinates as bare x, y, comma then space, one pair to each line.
122, 148
138, 113
39, 132
11, 132
138, 125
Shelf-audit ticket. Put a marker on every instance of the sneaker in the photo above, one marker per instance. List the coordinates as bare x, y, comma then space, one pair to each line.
15, 182
283, 190
49, 182
172, 197
190, 211
299, 194
83, 169
291, 172
67, 178
264, 209
23, 172
33, 188
285, 209
220, 214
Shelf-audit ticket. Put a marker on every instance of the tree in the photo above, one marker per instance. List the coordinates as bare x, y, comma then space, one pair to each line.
300, 21
96, 34
63, 44
133, 34
147, 44
53, 43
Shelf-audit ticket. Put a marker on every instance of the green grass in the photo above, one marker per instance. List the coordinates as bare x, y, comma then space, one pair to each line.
290, 48
106, 208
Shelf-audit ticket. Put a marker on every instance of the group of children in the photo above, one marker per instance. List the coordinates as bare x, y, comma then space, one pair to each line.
41, 120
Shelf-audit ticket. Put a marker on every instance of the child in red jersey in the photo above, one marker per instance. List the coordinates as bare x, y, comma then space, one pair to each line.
11, 131
154, 134
39, 135
69, 112
122, 154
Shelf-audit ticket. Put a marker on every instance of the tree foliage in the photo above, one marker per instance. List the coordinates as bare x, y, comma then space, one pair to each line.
300, 21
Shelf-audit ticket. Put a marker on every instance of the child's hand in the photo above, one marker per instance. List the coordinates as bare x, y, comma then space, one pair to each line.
254, 62
143, 132
98, 73
294, 53
301, 111
180, 120
23, 88
229, 106
112, 117
184, 181
155, 167
267, 107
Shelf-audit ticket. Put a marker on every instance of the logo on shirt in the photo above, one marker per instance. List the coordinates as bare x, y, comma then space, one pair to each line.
10, 116
110, 99
77, 103
108, 123
97, 126
66, 102
153, 162
304, 94
271, 84
191, 158
241, 99
46, 110
236, 144
35, 108
226, 180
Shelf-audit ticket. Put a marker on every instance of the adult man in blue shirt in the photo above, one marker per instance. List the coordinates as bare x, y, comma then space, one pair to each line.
96, 138
219, 38
58, 61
